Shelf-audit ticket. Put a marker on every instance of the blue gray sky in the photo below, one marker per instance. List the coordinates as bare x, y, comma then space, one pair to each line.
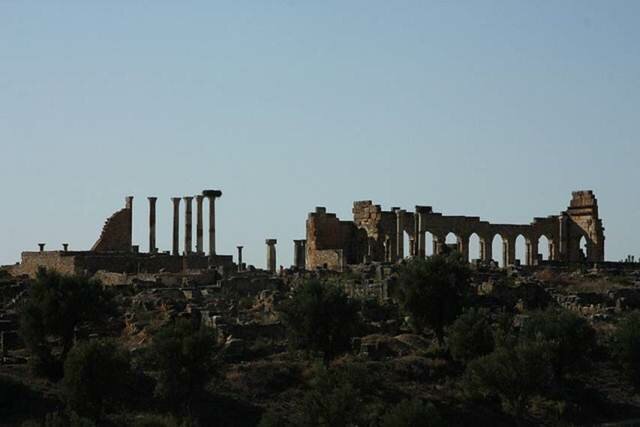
491, 108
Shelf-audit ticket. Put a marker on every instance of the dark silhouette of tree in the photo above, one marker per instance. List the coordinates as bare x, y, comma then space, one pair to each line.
96, 376
431, 291
470, 336
626, 345
184, 356
320, 318
56, 305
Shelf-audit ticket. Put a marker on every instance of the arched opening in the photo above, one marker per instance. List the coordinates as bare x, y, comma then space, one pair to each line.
451, 242
521, 249
474, 247
406, 245
583, 249
543, 247
428, 244
496, 250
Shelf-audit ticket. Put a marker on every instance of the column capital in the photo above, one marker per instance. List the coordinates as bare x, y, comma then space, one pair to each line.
199, 197
239, 247
188, 198
271, 242
212, 194
152, 198
176, 200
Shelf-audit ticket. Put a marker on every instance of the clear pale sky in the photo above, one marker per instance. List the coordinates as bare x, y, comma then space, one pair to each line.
497, 109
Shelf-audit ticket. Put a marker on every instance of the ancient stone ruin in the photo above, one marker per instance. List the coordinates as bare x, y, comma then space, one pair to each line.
379, 236
114, 251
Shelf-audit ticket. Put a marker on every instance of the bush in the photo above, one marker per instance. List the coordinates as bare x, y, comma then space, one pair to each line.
96, 376
410, 413
55, 306
184, 357
320, 318
570, 336
470, 336
626, 345
431, 291
513, 374
339, 396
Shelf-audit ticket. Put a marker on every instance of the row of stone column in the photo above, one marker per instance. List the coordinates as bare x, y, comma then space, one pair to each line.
212, 195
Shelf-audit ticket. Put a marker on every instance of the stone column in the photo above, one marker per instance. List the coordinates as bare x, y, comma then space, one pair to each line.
387, 248
176, 225
412, 247
463, 247
188, 229
438, 244
422, 241
41, 245
152, 225
505, 252
240, 258
271, 254
532, 247
212, 195
399, 234
511, 251
299, 253
552, 251
199, 228
129, 207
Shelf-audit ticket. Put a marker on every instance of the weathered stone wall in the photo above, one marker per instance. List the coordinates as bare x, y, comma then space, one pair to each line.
116, 234
63, 262
128, 263
332, 242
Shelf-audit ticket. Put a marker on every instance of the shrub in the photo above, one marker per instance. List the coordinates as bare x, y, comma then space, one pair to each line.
431, 291
320, 318
626, 345
514, 374
184, 358
55, 306
410, 413
96, 376
339, 396
570, 336
470, 336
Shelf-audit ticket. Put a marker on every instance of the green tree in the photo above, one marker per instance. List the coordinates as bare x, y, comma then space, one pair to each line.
470, 336
320, 318
56, 305
626, 344
514, 374
570, 336
96, 376
184, 357
431, 291
410, 413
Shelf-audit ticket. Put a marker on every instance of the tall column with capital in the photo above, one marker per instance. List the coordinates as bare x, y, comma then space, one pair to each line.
152, 225
199, 227
271, 254
176, 225
212, 195
188, 229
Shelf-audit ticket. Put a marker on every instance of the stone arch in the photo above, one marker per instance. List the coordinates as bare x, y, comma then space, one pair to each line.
584, 249
544, 243
521, 249
429, 244
474, 248
497, 249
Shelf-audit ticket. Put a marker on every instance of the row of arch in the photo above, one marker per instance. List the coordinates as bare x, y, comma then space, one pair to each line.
497, 249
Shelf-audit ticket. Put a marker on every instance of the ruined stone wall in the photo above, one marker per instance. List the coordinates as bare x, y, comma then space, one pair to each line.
116, 234
332, 242
63, 262
128, 263
377, 234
